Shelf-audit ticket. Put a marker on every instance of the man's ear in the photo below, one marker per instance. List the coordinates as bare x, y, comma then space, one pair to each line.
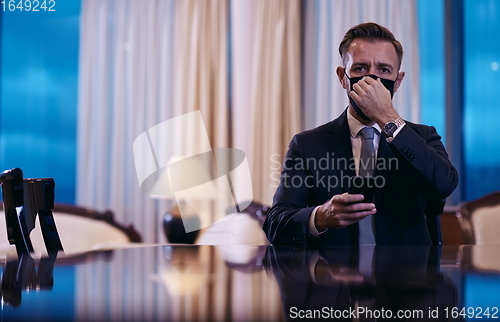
401, 75
342, 77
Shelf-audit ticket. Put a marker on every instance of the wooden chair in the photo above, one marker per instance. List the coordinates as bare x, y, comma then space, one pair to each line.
80, 230
479, 220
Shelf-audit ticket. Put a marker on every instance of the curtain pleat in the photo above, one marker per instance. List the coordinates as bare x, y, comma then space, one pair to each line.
275, 99
242, 20
144, 63
125, 87
201, 83
126, 63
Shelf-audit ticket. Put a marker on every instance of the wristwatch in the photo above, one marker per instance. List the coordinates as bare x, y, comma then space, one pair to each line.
391, 127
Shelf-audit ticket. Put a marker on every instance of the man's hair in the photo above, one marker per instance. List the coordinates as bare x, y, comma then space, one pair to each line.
372, 32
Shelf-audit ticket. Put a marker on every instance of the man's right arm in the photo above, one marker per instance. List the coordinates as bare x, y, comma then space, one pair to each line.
288, 221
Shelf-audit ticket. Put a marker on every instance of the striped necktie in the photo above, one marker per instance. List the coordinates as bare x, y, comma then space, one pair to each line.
366, 168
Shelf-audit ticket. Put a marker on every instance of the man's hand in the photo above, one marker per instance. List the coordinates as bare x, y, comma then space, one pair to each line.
374, 100
341, 211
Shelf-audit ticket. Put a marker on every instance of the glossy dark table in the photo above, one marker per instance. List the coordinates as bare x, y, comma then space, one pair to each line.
256, 283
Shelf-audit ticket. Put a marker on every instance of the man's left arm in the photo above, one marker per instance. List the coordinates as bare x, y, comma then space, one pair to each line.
423, 150
420, 145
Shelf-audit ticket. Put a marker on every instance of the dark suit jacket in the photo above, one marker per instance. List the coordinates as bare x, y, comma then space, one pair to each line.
413, 173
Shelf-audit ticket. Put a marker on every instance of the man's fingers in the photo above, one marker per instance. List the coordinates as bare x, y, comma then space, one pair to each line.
355, 216
362, 214
370, 81
343, 210
357, 207
355, 96
346, 219
365, 84
347, 198
358, 89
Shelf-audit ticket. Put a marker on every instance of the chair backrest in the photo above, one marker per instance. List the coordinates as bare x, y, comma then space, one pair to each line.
480, 220
482, 258
81, 230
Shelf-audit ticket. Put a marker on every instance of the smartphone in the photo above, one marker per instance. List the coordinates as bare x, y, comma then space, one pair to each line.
364, 186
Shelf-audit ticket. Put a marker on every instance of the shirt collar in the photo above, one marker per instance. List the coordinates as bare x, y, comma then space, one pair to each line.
355, 126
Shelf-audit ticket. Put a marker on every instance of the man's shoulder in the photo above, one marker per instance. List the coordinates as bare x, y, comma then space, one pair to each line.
323, 129
317, 130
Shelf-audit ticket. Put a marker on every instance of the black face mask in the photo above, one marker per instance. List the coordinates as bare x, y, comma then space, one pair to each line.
389, 84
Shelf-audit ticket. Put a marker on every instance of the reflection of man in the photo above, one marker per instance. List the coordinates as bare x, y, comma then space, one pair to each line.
412, 171
305, 283
340, 284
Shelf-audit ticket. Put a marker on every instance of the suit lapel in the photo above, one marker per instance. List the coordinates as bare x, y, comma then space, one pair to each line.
339, 143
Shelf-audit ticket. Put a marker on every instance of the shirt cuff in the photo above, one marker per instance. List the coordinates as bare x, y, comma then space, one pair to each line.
312, 227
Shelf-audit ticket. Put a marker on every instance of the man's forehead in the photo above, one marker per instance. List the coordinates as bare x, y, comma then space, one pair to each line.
363, 49
367, 62
360, 43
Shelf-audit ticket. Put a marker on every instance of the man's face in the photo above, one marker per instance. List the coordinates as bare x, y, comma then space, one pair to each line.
366, 57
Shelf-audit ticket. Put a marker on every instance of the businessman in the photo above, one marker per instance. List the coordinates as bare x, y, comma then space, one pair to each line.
408, 162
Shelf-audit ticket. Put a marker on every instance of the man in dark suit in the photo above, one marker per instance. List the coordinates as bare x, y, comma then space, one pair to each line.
408, 161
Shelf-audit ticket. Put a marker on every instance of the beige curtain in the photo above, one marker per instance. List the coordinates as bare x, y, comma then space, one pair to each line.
201, 82
143, 63
201, 66
125, 87
275, 99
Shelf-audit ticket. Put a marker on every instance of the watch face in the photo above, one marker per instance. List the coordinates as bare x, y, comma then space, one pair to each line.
390, 128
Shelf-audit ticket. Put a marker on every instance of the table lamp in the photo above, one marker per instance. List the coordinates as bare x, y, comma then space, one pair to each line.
189, 182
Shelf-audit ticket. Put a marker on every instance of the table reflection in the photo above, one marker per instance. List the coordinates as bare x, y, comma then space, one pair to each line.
367, 282
22, 274
252, 283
